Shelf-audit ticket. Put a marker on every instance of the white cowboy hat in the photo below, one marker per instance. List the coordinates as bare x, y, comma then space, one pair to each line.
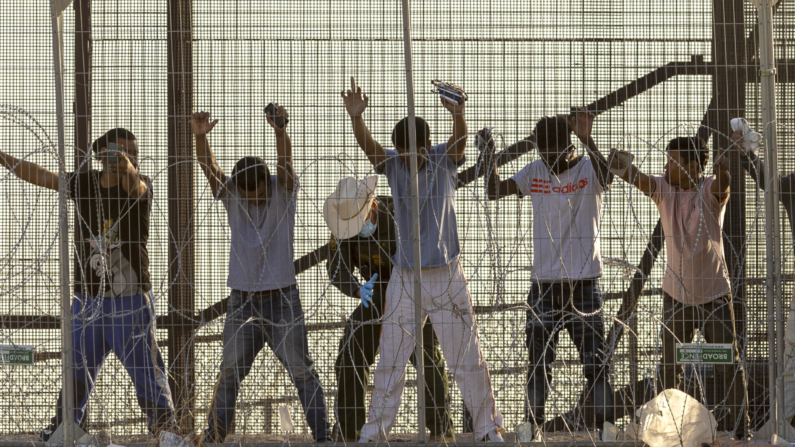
346, 209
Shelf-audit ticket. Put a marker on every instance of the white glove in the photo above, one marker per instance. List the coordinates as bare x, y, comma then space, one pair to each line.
751, 140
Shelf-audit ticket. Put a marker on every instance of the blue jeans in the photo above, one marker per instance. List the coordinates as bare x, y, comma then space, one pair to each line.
126, 327
574, 306
252, 320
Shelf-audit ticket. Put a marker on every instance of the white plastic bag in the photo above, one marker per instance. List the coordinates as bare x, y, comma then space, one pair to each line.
674, 419
285, 420
751, 140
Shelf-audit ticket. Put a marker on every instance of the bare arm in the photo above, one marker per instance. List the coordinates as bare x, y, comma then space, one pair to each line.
201, 125
495, 188
755, 167
522, 146
339, 268
30, 172
721, 186
581, 123
633, 175
458, 142
372, 149
131, 180
284, 151
355, 103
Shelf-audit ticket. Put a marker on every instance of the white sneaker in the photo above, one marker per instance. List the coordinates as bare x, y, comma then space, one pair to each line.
493, 436
781, 442
609, 432
167, 438
538, 434
529, 432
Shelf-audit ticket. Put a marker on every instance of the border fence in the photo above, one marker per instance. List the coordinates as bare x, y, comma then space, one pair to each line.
648, 72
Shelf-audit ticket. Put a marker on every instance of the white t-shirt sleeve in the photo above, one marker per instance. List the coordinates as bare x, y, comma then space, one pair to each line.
522, 179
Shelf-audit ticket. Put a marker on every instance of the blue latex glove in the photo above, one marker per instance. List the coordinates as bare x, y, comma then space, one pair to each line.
366, 291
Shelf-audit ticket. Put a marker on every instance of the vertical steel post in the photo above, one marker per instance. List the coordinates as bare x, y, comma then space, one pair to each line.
56, 18
415, 230
772, 220
729, 62
82, 104
180, 210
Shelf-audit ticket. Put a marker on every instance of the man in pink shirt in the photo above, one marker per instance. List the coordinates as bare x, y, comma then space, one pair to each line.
696, 288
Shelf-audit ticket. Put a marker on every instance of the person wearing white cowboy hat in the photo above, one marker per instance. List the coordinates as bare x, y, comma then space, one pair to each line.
363, 237
347, 209
445, 298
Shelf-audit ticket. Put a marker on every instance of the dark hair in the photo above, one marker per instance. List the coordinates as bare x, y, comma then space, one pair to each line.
112, 136
552, 131
400, 134
249, 172
690, 148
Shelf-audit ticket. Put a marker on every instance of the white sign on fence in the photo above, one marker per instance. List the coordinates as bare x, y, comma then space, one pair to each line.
16, 355
707, 353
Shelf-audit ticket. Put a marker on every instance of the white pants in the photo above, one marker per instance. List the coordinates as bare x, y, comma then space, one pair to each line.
446, 300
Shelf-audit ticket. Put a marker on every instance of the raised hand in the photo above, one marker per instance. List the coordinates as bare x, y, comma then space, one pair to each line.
355, 101
453, 108
737, 138
581, 123
125, 166
619, 162
366, 291
721, 166
282, 112
616, 163
484, 140
200, 123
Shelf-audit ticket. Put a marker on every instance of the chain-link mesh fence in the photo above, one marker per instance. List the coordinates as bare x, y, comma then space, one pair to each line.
649, 72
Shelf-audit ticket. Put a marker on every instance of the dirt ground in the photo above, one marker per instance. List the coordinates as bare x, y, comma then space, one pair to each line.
282, 439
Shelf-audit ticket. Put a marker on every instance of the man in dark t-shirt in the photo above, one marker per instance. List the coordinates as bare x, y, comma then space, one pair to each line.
113, 307
113, 231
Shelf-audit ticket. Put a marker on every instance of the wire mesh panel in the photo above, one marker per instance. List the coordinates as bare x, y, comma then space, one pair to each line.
263, 236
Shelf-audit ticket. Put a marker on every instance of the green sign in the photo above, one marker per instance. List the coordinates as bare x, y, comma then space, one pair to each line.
16, 355
705, 353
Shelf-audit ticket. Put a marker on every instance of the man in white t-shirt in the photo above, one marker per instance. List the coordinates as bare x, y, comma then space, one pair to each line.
567, 193
696, 287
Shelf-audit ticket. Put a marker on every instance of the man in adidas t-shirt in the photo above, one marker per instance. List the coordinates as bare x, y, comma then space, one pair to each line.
566, 192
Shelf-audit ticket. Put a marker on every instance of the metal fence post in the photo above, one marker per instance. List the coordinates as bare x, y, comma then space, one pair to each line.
415, 209
56, 17
181, 246
772, 221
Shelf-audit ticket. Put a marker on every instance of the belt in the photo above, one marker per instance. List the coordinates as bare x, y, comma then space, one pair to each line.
268, 293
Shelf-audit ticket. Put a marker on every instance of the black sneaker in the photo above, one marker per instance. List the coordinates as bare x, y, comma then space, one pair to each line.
46, 434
